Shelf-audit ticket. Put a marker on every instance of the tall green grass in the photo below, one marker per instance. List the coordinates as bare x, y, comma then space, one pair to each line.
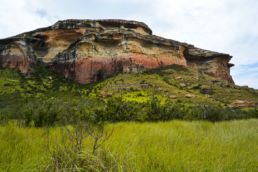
162, 146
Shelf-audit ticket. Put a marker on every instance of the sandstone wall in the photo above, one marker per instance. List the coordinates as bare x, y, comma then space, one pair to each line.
216, 67
91, 50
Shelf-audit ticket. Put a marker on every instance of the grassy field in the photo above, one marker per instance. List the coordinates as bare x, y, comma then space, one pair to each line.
163, 146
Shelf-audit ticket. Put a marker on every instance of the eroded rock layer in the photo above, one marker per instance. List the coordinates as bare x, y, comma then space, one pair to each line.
91, 50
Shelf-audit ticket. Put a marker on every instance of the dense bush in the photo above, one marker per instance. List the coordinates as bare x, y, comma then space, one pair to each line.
48, 112
117, 110
52, 111
169, 111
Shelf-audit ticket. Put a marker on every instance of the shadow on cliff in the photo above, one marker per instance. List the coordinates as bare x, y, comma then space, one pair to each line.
162, 69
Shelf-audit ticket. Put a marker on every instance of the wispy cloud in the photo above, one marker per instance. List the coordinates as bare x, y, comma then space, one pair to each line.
41, 12
20, 16
222, 25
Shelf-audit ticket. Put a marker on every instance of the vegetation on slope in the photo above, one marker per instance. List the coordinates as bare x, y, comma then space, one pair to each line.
45, 98
81, 142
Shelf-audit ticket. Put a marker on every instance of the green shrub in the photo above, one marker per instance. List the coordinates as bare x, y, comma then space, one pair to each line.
70, 153
117, 110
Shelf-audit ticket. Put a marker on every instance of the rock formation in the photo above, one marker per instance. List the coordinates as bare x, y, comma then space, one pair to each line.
91, 50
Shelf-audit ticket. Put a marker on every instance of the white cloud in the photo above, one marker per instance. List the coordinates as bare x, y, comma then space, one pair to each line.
246, 75
20, 16
217, 25
221, 25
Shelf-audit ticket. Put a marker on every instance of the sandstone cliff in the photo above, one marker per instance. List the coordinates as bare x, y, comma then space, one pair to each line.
91, 50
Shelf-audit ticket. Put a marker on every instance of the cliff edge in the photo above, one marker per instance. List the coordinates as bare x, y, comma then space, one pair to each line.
91, 50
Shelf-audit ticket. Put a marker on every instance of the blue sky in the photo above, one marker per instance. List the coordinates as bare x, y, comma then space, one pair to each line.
229, 26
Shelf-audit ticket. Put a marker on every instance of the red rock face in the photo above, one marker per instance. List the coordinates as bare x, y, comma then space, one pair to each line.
92, 69
91, 50
15, 59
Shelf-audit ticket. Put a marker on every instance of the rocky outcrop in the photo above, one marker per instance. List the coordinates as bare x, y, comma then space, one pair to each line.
243, 103
91, 50
212, 63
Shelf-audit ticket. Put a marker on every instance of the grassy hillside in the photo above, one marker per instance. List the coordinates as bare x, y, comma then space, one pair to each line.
172, 83
162, 146
44, 97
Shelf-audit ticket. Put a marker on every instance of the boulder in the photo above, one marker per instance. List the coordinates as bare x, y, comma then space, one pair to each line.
189, 96
172, 96
182, 85
206, 89
243, 103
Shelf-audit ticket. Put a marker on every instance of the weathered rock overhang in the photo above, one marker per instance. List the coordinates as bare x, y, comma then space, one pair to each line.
104, 23
103, 44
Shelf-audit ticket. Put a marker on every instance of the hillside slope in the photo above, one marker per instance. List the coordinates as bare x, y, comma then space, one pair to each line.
49, 92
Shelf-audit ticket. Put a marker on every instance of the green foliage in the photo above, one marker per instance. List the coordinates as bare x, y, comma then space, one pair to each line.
70, 154
53, 111
49, 112
160, 146
44, 98
118, 110
204, 111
